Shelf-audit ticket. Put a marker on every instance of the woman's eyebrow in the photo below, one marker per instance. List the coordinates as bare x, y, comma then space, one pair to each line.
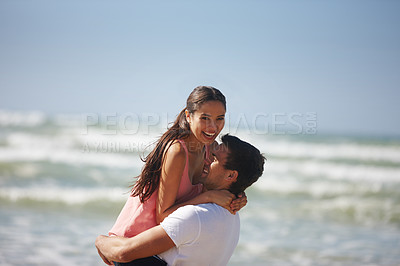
203, 114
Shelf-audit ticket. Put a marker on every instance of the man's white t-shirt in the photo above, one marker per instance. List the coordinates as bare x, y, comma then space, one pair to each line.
204, 234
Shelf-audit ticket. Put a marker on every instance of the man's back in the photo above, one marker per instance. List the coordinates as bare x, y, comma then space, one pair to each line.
204, 234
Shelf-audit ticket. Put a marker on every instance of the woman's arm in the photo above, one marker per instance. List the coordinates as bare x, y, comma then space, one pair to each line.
221, 197
171, 174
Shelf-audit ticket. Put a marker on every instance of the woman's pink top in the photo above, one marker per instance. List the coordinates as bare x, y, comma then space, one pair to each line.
137, 217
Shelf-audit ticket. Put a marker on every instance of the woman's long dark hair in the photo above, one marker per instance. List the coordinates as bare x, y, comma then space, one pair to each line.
149, 179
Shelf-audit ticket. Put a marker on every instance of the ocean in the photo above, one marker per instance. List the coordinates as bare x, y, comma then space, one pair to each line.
323, 199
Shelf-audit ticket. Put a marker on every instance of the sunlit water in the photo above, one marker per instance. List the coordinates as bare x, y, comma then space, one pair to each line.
323, 200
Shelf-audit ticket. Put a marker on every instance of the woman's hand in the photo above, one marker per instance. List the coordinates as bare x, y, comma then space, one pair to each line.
221, 197
239, 202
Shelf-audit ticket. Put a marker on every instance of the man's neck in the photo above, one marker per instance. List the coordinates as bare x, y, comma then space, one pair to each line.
208, 189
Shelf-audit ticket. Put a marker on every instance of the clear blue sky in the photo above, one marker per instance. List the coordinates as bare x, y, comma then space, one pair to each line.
340, 59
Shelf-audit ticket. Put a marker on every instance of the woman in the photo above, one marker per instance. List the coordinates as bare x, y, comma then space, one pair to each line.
177, 162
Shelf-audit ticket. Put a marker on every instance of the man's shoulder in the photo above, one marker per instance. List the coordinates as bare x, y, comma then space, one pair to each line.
188, 223
184, 212
189, 210
204, 210
212, 210
209, 207
199, 207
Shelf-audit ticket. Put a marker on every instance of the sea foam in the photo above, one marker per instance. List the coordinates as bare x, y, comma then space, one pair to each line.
69, 196
21, 119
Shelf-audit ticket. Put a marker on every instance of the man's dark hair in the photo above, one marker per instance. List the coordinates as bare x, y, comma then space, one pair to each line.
245, 159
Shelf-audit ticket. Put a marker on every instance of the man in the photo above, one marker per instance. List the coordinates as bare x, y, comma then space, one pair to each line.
204, 234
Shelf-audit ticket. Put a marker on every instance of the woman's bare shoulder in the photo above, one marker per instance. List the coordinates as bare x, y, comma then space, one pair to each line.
176, 151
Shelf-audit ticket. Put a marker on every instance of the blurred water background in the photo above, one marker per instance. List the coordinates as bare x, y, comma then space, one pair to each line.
323, 199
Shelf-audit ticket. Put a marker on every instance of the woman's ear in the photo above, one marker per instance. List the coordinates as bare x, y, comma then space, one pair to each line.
187, 114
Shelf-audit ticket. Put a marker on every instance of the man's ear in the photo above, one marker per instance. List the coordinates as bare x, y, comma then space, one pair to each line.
232, 177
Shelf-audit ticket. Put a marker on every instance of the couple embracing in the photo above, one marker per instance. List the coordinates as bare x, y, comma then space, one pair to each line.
182, 209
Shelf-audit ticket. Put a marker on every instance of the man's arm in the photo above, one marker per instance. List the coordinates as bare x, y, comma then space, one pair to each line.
148, 243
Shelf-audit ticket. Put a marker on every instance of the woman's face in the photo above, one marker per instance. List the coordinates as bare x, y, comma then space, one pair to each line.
207, 122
